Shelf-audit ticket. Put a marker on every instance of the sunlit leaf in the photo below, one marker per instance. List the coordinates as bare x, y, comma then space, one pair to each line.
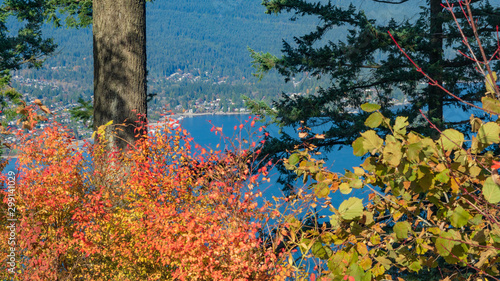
371, 141
374, 120
490, 104
351, 208
415, 266
459, 217
370, 107
358, 147
321, 190
446, 242
489, 133
475, 123
413, 151
400, 125
451, 139
491, 83
491, 191
401, 229
392, 153
293, 159
345, 188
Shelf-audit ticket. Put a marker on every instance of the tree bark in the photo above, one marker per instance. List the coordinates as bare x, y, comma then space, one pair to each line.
436, 95
120, 91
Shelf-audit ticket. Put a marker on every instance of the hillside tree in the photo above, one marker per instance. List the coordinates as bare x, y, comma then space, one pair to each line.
119, 39
367, 66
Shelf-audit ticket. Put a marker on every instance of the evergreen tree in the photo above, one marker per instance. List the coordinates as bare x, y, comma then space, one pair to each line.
119, 30
24, 45
28, 46
368, 66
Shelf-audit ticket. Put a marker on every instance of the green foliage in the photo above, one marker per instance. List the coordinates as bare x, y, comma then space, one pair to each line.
370, 107
351, 208
83, 112
489, 133
10, 103
432, 203
452, 139
263, 62
491, 191
25, 45
29, 46
14, 108
259, 108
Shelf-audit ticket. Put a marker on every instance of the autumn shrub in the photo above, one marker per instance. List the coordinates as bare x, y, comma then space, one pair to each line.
166, 209
430, 208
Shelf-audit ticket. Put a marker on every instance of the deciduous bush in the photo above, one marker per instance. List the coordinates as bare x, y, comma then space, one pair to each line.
431, 208
165, 210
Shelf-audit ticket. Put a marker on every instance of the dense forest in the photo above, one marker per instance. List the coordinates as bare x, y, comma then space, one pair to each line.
197, 53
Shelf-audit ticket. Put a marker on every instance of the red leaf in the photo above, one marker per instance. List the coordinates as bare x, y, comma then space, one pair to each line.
496, 165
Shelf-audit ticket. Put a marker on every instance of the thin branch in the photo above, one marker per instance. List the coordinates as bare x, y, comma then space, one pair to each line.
391, 2
483, 54
455, 179
434, 82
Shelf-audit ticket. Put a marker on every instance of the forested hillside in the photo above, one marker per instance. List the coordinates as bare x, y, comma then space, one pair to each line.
197, 53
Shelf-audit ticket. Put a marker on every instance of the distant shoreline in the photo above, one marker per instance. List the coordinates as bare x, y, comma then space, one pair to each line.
9, 157
209, 113
155, 123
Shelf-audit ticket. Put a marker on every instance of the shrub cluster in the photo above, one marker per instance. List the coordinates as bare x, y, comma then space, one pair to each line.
164, 210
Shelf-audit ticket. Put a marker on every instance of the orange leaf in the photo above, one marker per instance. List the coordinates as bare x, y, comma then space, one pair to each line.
45, 109
27, 125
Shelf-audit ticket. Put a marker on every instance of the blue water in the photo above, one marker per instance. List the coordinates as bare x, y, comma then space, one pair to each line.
199, 128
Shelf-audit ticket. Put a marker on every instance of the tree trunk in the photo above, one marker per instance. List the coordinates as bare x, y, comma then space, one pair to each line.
119, 29
436, 95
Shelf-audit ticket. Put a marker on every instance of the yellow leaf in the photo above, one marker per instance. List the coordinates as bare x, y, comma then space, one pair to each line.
491, 84
366, 263
45, 109
454, 186
358, 171
302, 135
361, 247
